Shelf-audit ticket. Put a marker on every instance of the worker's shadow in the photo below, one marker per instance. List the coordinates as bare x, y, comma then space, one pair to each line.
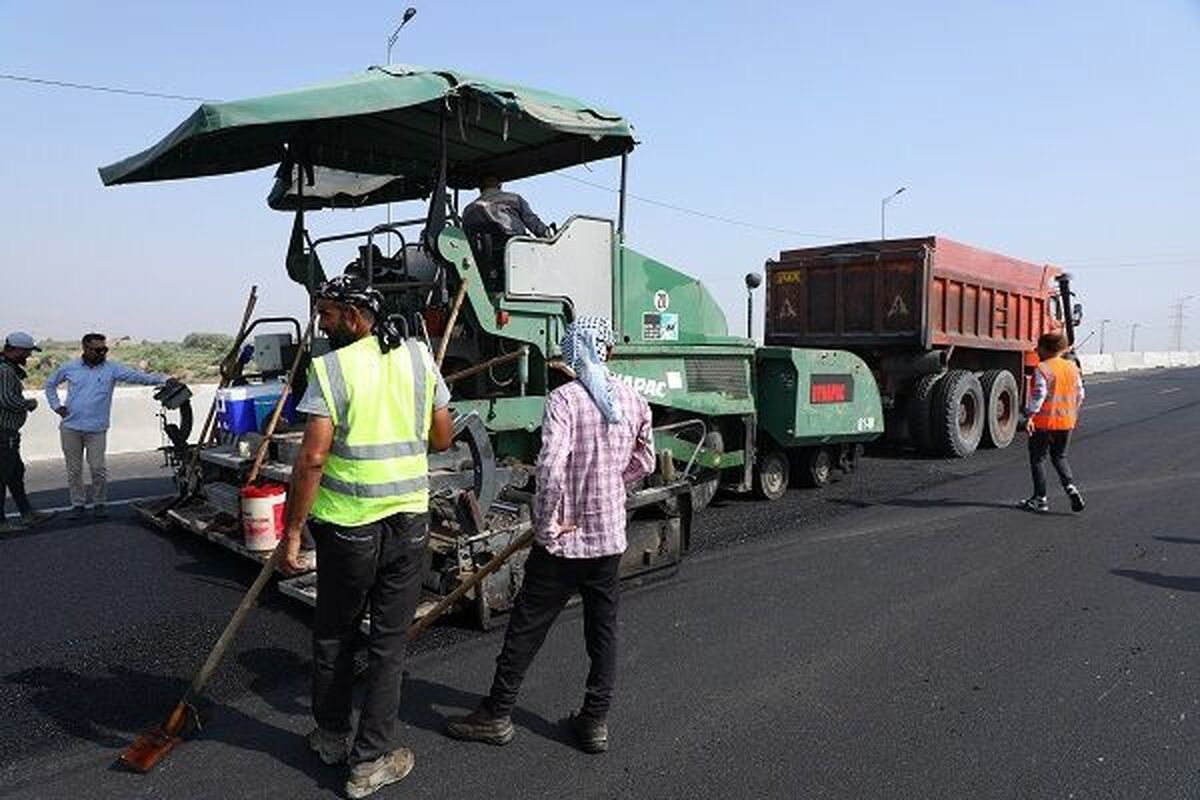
426, 705
109, 709
1180, 583
937, 502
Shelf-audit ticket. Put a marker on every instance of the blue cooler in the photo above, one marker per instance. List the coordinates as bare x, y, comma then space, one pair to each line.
264, 407
235, 410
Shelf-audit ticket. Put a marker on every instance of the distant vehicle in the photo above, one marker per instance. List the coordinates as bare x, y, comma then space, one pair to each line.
948, 330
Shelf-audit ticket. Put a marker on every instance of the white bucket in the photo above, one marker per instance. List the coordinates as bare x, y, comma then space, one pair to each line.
262, 515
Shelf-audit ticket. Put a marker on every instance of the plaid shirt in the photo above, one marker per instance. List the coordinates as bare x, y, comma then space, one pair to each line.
584, 469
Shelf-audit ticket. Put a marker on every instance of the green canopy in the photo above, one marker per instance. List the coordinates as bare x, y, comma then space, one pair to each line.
376, 137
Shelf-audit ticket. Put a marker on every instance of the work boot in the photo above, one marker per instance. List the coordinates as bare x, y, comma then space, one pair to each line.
1076, 498
369, 776
330, 747
480, 726
77, 513
1038, 505
31, 518
591, 733
100, 511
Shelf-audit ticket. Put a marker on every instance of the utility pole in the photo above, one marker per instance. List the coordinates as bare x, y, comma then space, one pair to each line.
1177, 323
1103, 323
1133, 337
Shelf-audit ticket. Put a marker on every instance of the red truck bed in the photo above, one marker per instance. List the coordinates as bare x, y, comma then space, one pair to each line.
920, 293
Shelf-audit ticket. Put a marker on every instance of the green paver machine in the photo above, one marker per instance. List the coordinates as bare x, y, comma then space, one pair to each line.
725, 412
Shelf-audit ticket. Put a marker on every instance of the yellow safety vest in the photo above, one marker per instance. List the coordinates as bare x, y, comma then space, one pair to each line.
381, 406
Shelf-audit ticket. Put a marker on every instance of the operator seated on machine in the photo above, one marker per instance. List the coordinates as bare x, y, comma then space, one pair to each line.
493, 218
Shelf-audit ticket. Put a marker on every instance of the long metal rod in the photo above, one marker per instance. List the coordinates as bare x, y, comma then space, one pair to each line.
264, 445
493, 362
621, 200
519, 543
451, 322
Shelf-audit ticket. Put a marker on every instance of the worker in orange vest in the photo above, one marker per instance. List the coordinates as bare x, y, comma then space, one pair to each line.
1053, 409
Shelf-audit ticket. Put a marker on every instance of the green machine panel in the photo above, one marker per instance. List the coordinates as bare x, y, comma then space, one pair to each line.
811, 397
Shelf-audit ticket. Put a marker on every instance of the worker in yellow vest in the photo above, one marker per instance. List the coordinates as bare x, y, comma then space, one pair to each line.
376, 405
1053, 410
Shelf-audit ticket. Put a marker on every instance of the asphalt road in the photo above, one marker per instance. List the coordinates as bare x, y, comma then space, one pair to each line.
904, 634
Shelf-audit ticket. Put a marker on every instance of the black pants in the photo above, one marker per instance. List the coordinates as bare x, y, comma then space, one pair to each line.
377, 567
1055, 443
12, 472
549, 583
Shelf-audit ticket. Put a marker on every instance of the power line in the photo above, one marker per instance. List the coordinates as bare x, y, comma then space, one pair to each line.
704, 214
1103, 263
105, 89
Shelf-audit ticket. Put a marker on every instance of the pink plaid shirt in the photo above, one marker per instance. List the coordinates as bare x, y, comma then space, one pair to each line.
584, 469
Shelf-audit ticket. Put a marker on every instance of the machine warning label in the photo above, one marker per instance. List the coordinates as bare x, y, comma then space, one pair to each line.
660, 327
830, 389
662, 300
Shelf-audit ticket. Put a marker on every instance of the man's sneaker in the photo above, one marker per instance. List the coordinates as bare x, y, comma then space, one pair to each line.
1077, 503
31, 519
480, 726
591, 733
10, 527
330, 747
369, 776
1038, 505
77, 513
100, 511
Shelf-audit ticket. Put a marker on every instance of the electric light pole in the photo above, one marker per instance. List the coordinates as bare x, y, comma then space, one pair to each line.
409, 13
883, 212
1103, 323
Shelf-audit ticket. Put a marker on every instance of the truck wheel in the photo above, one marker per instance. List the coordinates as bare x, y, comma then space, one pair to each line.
958, 413
1000, 394
771, 472
816, 467
920, 412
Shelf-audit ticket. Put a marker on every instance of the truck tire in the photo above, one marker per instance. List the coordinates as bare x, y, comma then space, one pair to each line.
958, 413
1003, 407
920, 412
815, 466
771, 472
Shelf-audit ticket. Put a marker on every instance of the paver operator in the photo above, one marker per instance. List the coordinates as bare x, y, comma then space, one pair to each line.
86, 416
14, 410
1053, 410
597, 441
376, 404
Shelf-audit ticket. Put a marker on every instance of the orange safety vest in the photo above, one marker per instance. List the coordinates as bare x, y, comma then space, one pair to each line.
1060, 409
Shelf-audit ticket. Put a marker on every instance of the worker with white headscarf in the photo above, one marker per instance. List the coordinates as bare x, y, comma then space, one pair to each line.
597, 440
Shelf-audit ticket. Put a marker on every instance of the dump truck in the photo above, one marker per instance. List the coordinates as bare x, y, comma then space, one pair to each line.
948, 330
727, 414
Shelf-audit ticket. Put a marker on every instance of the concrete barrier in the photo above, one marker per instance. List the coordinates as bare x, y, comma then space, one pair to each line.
1123, 362
1092, 363
1157, 359
134, 427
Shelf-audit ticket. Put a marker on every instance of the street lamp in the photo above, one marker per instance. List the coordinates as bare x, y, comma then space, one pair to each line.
1103, 322
409, 13
883, 212
1133, 336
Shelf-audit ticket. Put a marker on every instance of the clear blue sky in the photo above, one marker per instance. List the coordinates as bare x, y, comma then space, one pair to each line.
1060, 132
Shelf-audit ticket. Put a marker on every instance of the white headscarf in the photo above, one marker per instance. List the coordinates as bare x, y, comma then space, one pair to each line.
585, 349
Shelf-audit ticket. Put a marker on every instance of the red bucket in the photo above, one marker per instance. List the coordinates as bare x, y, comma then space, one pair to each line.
262, 515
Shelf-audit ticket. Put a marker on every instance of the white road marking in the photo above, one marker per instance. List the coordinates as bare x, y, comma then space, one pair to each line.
1168, 391
109, 504
1101, 405
1102, 381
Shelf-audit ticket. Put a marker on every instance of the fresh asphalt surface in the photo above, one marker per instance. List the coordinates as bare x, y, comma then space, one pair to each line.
903, 634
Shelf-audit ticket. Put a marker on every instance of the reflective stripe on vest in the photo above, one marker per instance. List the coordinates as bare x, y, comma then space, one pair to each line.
381, 407
1060, 409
